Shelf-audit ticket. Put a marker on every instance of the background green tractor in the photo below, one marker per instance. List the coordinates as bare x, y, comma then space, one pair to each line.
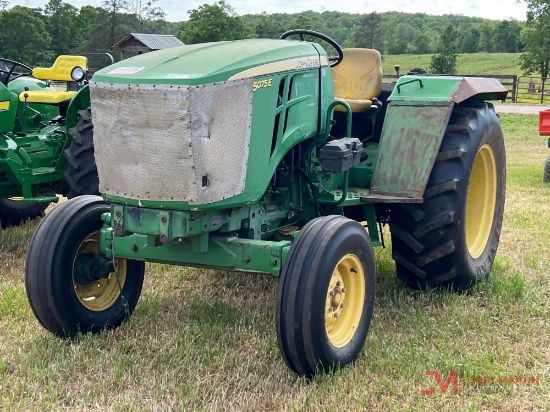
271, 156
46, 142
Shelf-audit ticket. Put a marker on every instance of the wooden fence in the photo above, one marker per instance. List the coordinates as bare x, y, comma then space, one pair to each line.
534, 90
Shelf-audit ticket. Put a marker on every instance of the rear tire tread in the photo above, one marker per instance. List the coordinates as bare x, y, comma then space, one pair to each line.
81, 174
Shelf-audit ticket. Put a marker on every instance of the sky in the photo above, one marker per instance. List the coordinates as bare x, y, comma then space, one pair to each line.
176, 10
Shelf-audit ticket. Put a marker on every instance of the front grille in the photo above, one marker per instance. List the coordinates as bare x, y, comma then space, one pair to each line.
168, 142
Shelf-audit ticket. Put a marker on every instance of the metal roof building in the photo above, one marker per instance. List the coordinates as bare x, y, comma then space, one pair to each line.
138, 43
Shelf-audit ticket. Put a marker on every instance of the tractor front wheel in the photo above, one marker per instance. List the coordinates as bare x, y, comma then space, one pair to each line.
13, 212
452, 237
71, 287
547, 170
326, 296
81, 174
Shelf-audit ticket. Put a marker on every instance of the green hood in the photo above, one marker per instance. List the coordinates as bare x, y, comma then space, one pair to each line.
209, 62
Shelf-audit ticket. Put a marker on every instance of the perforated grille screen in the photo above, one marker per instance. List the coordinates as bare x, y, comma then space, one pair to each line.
172, 142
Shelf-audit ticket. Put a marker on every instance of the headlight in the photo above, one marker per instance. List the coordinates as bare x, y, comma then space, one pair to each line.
78, 74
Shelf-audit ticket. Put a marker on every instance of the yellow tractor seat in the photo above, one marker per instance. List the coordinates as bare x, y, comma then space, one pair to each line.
358, 79
46, 96
61, 69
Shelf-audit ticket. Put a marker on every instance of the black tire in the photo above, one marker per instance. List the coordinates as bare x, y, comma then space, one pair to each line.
14, 212
434, 243
310, 338
64, 304
81, 174
547, 170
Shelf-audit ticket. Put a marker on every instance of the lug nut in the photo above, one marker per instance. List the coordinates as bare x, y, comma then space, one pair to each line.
343, 290
342, 305
336, 314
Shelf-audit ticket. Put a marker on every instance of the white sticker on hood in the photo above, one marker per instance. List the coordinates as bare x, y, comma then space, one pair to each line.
126, 70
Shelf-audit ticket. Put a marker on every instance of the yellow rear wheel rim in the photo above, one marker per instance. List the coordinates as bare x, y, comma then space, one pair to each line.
345, 300
101, 294
481, 201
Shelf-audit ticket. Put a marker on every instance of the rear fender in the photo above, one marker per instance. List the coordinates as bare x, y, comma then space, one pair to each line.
79, 102
8, 109
418, 112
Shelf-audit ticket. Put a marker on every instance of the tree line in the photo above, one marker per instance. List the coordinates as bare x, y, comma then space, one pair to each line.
36, 36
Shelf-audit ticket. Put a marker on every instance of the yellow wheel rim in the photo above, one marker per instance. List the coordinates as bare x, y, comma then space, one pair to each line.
345, 300
101, 294
481, 201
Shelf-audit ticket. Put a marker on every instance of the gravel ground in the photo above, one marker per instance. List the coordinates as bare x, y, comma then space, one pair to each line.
518, 108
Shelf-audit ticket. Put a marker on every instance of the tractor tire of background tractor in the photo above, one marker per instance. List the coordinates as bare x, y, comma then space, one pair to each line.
14, 212
451, 238
81, 174
70, 288
325, 296
547, 170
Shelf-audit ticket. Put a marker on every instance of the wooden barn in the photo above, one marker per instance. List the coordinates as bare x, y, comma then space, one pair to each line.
138, 43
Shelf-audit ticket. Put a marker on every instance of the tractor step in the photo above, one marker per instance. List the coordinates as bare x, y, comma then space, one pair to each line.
379, 198
357, 196
40, 199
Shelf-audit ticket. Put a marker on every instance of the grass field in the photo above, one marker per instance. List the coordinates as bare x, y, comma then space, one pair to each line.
475, 63
205, 340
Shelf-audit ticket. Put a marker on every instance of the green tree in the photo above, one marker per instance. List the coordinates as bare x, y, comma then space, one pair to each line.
536, 38
24, 37
213, 22
369, 33
444, 62
91, 34
148, 15
402, 38
469, 43
4, 4
115, 8
486, 38
422, 44
60, 23
268, 27
507, 36
301, 22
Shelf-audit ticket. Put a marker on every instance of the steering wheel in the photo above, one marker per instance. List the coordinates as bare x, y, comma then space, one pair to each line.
333, 60
8, 73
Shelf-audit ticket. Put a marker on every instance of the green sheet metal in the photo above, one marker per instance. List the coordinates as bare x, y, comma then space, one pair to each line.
447, 88
411, 137
210, 62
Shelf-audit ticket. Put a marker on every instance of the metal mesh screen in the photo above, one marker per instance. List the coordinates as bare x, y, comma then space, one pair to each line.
162, 142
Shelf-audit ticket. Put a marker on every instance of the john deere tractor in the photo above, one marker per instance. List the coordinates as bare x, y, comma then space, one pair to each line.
46, 142
273, 156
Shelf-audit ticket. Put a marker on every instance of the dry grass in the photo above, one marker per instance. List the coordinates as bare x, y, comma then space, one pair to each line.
205, 340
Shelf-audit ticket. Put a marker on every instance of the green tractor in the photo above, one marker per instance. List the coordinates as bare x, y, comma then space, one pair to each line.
46, 144
271, 156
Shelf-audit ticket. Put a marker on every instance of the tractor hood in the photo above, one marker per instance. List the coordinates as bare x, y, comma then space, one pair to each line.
214, 62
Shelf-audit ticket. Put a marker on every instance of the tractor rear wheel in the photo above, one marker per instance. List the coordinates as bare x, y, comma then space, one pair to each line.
325, 297
81, 174
13, 212
71, 288
547, 170
452, 237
